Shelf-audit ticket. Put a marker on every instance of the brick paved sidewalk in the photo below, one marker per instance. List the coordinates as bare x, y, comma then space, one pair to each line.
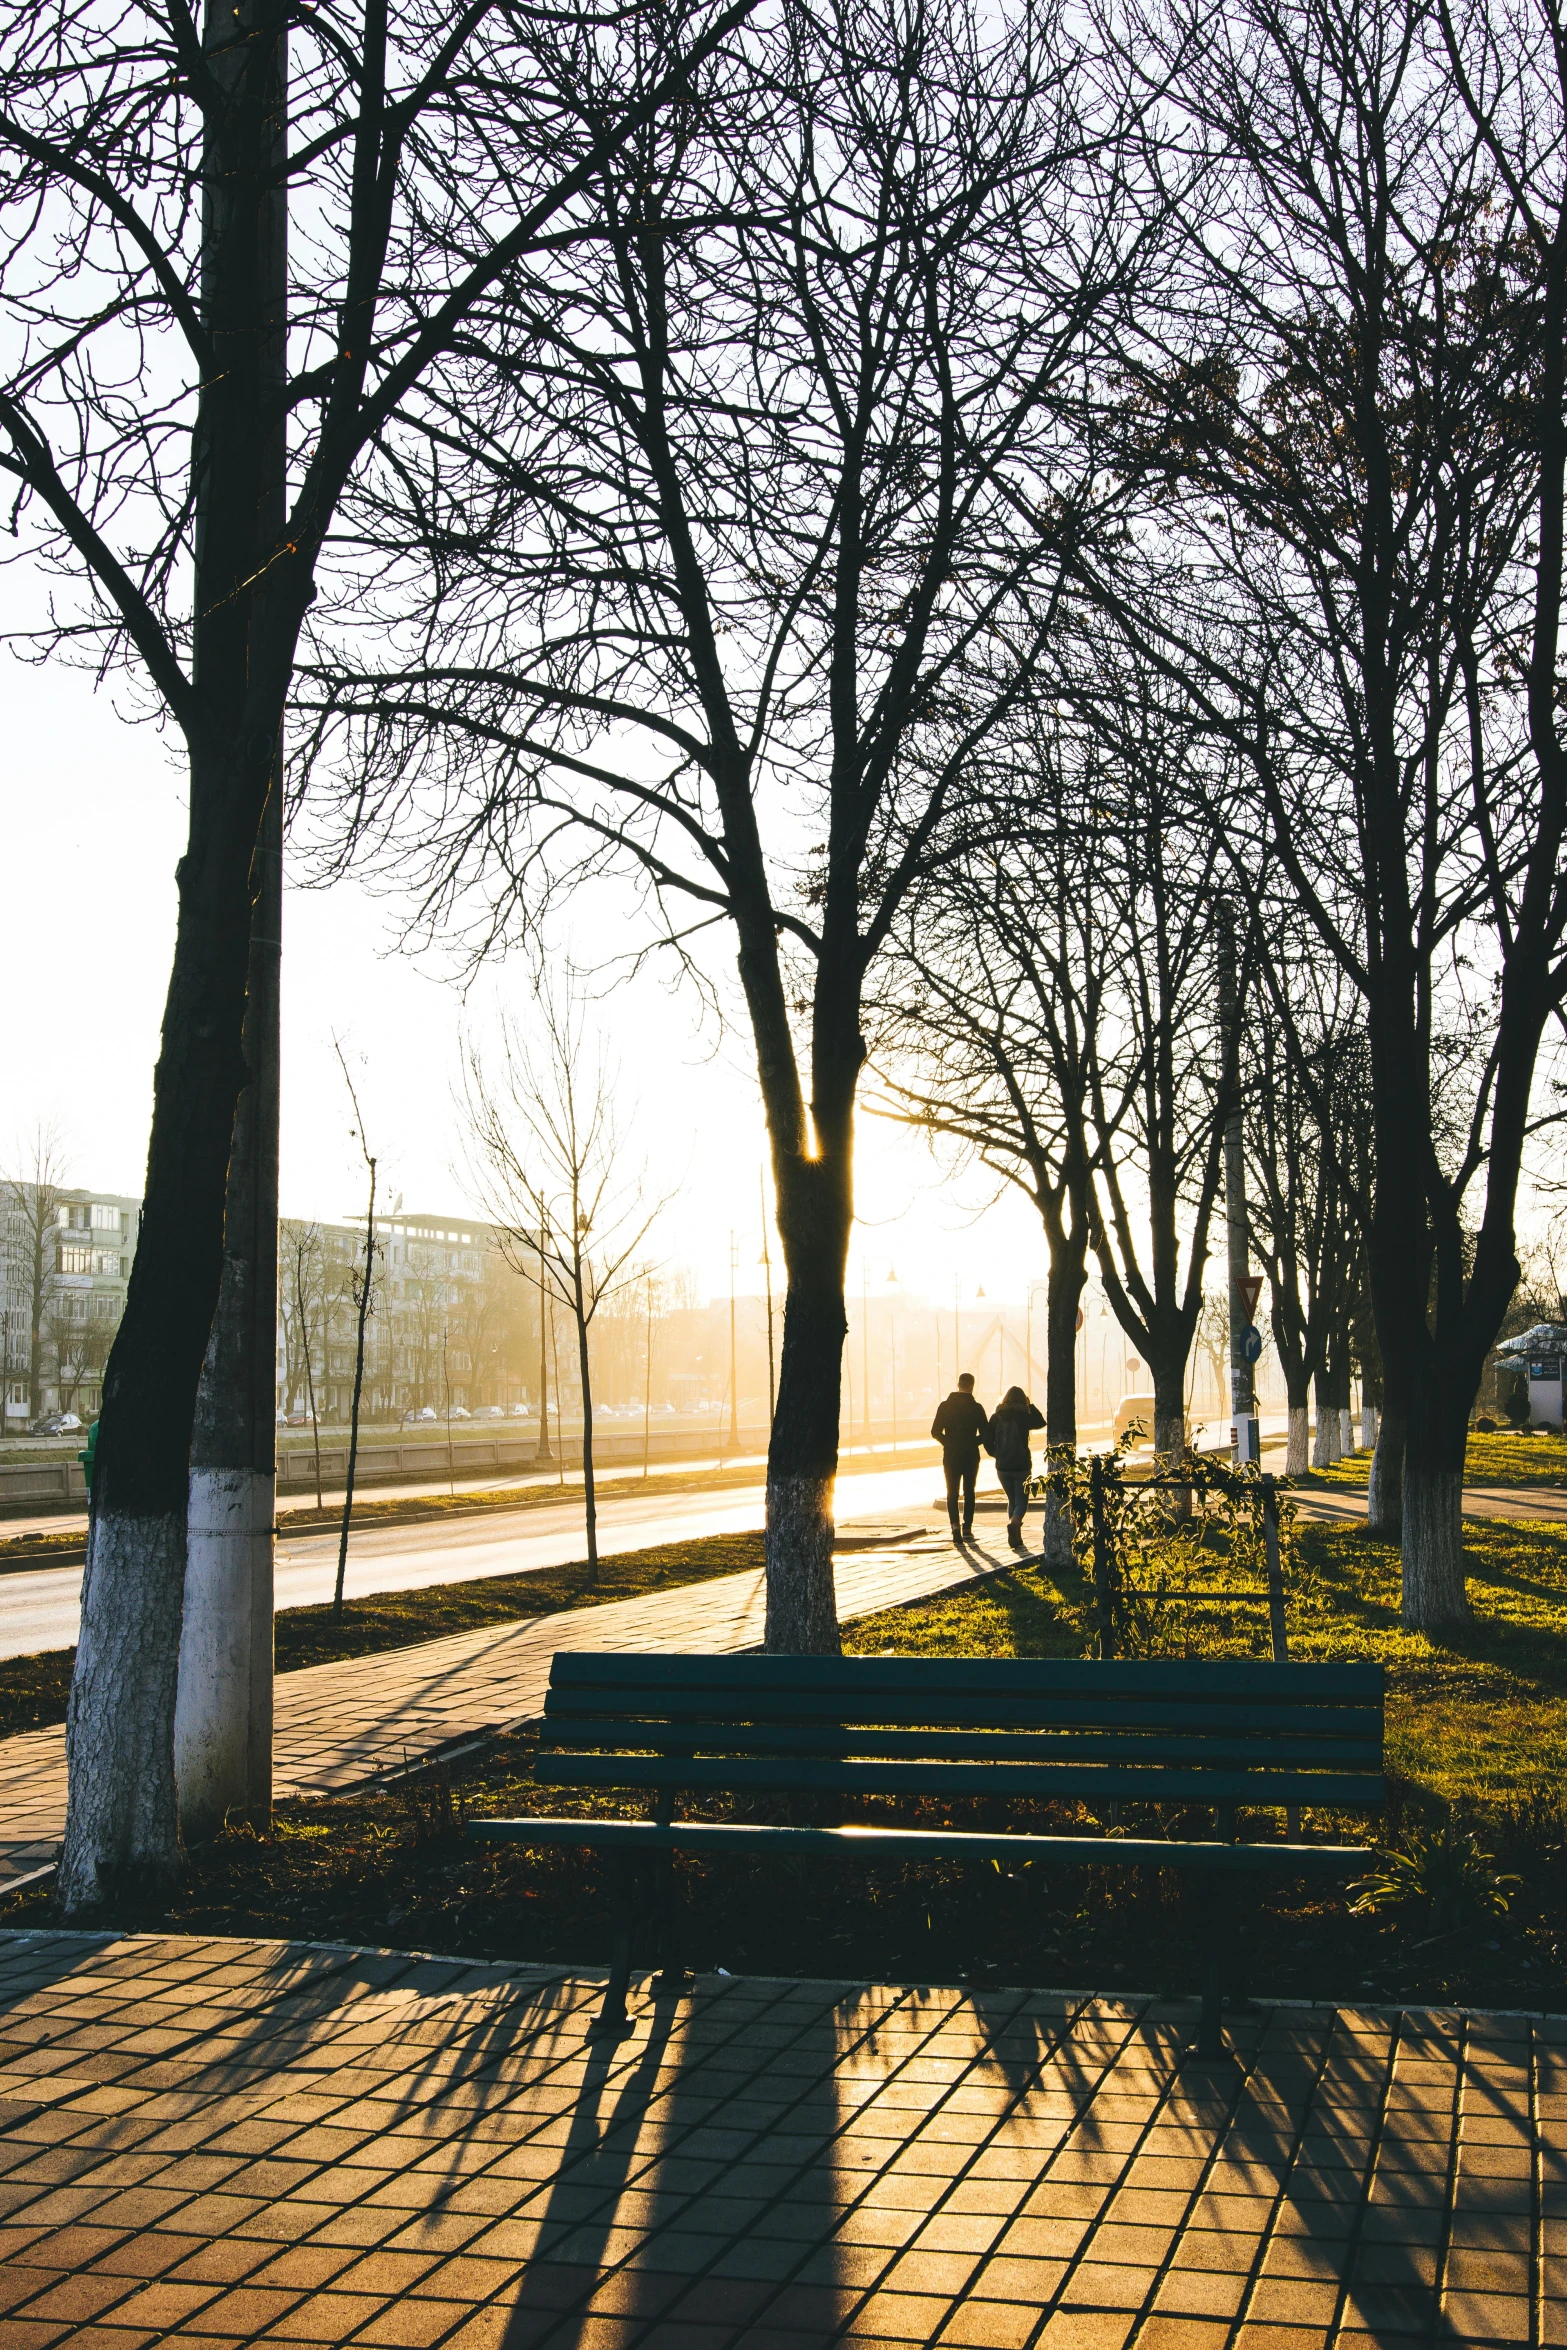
216, 2143
336, 1725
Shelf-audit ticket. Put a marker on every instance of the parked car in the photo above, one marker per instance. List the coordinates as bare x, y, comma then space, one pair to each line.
490, 1411
425, 1412
459, 1412
1135, 1410
56, 1424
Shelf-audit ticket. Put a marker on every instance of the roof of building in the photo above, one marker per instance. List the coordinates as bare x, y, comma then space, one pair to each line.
1545, 1337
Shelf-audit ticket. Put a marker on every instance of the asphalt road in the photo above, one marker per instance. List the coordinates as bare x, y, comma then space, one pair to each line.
39, 1610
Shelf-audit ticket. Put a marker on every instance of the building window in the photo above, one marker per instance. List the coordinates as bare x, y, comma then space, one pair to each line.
104, 1263
76, 1260
105, 1219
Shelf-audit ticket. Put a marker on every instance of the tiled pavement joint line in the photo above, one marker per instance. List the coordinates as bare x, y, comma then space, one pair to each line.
1353, 2240
1455, 2131
1537, 2193
1080, 2258
1266, 2236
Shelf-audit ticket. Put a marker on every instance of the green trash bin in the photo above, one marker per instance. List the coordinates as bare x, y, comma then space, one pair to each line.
87, 1454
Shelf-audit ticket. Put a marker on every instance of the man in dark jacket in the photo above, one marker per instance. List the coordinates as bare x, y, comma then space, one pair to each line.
959, 1428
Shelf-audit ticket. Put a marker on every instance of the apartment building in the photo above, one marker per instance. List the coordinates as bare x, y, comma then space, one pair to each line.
65, 1263
450, 1323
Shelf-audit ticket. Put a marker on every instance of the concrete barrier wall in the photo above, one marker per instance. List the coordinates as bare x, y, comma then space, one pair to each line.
30, 1488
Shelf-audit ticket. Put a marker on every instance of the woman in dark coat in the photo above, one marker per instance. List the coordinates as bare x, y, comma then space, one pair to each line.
1011, 1424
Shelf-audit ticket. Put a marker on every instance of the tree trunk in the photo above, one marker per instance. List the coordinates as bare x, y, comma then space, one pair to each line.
1346, 1430
1435, 1600
223, 1710
802, 1464
589, 1491
1368, 1426
121, 1820
1063, 1296
1169, 1409
1324, 1450
1295, 1455
1385, 1484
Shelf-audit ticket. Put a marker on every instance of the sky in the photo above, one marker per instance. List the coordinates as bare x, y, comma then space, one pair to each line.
93, 824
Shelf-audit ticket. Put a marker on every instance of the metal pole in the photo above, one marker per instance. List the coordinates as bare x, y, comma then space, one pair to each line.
545, 1320
865, 1356
734, 1391
1245, 1441
767, 1271
1104, 1573
647, 1387
1276, 1623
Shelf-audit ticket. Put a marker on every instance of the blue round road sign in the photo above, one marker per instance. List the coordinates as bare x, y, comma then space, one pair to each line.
1251, 1343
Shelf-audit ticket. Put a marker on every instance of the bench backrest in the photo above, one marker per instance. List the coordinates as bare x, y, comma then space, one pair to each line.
1158, 1730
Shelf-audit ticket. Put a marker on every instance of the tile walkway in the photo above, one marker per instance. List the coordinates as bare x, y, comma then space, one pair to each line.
217, 2142
337, 1725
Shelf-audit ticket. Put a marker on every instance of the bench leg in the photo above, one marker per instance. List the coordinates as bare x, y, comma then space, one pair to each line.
1210, 2027
612, 2021
671, 1976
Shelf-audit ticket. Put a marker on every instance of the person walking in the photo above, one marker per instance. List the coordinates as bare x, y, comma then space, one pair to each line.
959, 1428
1006, 1439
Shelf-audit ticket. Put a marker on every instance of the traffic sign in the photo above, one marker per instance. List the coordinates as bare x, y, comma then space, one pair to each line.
1251, 1343
1251, 1290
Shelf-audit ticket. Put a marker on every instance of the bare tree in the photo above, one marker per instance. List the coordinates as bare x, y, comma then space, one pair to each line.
363, 1281
33, 1198
816, 433
548, 1151
157, 443
1356, 389
1310, 1191
306, 1308
994, 1025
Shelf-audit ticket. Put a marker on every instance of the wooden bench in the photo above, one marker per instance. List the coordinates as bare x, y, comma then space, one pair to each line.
1232, 1736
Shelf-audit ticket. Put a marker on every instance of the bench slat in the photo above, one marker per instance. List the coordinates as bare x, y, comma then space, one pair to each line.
977, 1708
1111, 1781
1178, 1677
625, 1733
902, 1844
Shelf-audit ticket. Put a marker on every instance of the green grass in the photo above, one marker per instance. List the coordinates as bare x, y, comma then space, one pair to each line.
33, 1689
1503, 1459
1480, 1719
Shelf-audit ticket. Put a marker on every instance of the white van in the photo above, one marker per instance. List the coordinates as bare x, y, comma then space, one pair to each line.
1135, 1407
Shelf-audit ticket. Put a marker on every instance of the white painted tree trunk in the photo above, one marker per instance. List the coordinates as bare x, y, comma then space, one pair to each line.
1058, 1532
1297, 1448
1435, 1600
223, 1713
120, 1821
1323, 1454
1346, 1430
802, 1617
1368, 1427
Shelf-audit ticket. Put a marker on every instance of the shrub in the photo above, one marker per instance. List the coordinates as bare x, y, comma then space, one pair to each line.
1442, 1871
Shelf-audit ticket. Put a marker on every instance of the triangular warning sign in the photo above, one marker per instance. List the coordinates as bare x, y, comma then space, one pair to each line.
1251, 1291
